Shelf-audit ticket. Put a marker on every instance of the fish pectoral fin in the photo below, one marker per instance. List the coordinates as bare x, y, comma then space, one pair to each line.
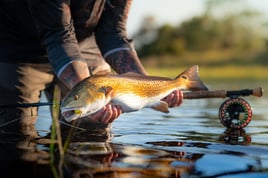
160, 106
107, 90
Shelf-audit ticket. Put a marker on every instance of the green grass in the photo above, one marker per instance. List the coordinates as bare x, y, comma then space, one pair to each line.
236, 73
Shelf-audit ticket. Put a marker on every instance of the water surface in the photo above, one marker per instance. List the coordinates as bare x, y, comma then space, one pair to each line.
190, 141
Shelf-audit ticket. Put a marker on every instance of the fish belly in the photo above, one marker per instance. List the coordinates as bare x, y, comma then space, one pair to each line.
132, 102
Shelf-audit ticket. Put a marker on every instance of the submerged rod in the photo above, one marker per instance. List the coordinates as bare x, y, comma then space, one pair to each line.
24, 105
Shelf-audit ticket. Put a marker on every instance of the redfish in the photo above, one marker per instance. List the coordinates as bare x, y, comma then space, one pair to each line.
131, 91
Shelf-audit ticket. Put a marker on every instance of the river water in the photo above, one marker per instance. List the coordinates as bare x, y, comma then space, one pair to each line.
190, 141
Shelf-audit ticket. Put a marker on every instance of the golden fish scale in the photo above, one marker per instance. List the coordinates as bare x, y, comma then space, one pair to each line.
142, 86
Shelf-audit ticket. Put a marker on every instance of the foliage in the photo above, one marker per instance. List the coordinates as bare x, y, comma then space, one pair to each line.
218, 73
233, 37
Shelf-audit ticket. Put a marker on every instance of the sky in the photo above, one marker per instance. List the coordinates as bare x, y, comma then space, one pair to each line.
174, 11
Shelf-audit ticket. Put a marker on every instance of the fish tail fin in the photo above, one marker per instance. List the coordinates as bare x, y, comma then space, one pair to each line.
191, 79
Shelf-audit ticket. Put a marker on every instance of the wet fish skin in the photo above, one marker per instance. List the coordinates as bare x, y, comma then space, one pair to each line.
131, 91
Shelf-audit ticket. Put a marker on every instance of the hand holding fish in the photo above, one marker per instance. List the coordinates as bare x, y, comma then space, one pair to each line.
107, 114
174, 99
111, 112
130, 91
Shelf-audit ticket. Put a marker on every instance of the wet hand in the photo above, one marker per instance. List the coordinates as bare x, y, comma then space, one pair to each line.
174, 99
107, 114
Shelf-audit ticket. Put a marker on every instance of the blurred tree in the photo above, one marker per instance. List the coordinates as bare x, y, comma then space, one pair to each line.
225, 25
166, 41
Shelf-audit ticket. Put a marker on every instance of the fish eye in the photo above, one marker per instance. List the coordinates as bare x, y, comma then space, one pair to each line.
184, 77
76, 97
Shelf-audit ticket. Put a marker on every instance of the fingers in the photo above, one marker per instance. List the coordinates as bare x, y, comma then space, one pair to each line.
96, 116
174, 99
116, 111
107, 114
177, 99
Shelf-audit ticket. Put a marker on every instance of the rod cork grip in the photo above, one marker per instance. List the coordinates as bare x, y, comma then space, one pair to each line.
204, 94
257, 91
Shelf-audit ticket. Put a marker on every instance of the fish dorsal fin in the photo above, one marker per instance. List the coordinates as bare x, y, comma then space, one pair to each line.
160, 106
131, 74
143, 77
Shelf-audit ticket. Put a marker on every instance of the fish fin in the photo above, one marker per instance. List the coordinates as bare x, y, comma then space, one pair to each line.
142, 76
191, 73
131, 74
192, 79
107, 90
161, 106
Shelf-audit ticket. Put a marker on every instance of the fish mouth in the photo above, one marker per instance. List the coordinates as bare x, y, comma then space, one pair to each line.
72, 113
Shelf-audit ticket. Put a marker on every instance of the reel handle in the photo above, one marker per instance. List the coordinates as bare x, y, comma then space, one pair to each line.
257, 92
222, 93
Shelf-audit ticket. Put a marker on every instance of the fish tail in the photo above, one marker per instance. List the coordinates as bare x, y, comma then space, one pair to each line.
191, 79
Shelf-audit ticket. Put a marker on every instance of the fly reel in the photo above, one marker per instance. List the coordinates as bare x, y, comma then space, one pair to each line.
235, 113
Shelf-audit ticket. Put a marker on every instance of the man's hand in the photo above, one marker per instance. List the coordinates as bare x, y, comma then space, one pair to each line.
107, 114
174, 99
74, 73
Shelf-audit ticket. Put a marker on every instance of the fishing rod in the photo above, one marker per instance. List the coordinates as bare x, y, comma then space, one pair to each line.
235, 112
222, 93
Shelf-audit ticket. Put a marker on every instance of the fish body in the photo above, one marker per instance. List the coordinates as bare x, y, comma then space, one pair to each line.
131, 91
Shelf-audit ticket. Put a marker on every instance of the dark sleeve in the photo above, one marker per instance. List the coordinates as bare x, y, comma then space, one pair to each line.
54, 23
111, 31
111, 37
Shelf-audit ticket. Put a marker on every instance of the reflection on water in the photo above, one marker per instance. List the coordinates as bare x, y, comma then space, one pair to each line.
188, 142
235, 137
126, 160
